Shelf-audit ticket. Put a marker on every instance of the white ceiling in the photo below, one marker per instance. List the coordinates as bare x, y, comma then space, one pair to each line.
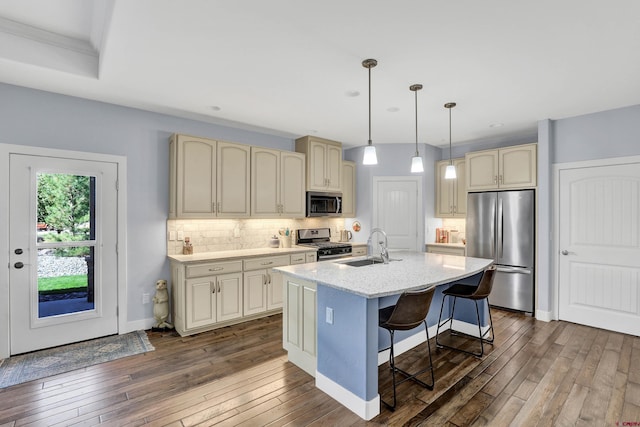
290, 67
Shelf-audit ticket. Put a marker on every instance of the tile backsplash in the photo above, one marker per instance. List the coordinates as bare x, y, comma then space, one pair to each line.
211, 235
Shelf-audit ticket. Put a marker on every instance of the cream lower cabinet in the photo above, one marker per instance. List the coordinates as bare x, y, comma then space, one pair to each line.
277, 183
506, 168
445, 250
451, 194
211, 297
208, 178
299, 329
261, 291
359, 250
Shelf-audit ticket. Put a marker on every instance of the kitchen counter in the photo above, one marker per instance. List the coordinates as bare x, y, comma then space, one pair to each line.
407, 271
330, 317
240, 253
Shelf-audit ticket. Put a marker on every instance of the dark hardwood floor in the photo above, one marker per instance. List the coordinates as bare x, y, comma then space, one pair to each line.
537, 373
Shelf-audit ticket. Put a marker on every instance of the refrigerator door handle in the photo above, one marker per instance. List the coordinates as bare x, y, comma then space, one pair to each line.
500, 220
519, 270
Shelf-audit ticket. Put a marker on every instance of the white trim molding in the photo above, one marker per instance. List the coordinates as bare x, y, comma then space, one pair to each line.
362, 408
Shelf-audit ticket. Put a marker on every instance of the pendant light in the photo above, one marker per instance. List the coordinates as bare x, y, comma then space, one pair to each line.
450, 172
370, 157
416, 161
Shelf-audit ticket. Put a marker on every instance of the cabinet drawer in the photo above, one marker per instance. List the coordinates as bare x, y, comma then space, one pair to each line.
312, 256
358, 250
298, 259
270, 262
213, 269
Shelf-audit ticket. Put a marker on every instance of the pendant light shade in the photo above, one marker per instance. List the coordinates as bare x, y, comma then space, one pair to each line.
370, 157
416, 161
450, 172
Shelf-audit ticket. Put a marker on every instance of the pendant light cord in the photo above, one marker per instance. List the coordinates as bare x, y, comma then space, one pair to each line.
450, 159
369, 105
416, 93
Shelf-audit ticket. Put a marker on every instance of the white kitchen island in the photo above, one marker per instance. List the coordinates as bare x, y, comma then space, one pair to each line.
330, 317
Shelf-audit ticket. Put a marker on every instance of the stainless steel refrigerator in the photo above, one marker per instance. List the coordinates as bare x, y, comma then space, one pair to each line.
500, 225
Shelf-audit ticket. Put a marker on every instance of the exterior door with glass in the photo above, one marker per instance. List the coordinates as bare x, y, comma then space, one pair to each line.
63, 251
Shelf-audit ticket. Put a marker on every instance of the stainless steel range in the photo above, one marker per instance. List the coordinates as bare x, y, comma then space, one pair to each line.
321, 238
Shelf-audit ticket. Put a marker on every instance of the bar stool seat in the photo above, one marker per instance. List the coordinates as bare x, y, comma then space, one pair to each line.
408, 313
476, 294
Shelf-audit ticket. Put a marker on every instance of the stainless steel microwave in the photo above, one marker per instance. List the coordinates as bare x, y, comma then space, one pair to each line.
324, 204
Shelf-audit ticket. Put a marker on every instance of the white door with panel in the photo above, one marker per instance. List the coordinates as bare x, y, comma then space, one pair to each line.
599, 245
397, 205
73, 252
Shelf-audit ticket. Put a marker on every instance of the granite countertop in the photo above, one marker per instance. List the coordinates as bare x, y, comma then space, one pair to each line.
412, 271
238, 254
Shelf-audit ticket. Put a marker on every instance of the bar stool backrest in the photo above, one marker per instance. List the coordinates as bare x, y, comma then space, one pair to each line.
410, 310
486, 284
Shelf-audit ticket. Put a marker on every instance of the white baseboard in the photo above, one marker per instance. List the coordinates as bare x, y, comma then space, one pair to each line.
139, 325
545, 316
362, 408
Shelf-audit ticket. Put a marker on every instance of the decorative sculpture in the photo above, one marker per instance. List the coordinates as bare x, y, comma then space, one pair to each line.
161, 305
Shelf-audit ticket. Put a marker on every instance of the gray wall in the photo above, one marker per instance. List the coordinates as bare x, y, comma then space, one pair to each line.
41, 119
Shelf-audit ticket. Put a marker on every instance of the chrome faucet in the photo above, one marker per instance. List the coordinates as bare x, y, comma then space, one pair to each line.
384, 253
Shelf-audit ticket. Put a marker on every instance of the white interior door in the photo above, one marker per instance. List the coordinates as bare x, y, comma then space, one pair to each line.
77, 251
397, 205
599, 243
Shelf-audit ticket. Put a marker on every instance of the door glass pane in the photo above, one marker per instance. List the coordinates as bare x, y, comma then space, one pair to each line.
65, 242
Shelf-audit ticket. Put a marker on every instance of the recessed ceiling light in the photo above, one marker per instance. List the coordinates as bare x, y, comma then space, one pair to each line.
215, 108
393, 109
496, 125
352, 93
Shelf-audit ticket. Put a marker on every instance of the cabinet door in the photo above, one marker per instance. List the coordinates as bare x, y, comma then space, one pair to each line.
195, 177
482, 170
229, 296
444, 191
334, 168
317, 163
233, 185
348, 189
460, 189
299, 323
292, 185
518, 166
265, 182
200, 301
274, 290
255, 292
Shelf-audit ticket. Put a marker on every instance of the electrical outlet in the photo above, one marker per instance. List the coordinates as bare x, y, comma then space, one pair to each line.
329, 318
146, 298
172, 235
180, 235
236, 232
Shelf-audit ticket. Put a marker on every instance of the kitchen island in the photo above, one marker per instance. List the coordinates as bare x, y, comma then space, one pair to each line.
330, 317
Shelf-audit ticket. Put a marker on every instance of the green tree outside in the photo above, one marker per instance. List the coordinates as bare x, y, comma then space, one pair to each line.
63, 202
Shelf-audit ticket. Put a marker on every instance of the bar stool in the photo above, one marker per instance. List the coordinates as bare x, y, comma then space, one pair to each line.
481, 292
408, 313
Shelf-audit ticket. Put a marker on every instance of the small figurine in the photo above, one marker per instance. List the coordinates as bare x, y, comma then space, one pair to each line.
187, 249
161, 305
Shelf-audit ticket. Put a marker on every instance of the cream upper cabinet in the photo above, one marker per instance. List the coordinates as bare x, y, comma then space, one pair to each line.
208, 178
509, 167
451, 194
348, 189
324, 163
277, 183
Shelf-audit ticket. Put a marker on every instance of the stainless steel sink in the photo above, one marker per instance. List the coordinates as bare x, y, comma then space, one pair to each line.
363, 262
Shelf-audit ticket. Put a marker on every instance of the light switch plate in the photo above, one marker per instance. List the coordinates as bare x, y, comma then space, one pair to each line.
172, 235
329, 318
180, 235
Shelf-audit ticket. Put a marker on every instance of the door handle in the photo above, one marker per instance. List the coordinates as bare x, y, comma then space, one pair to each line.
18, 265
565, 252
18, 251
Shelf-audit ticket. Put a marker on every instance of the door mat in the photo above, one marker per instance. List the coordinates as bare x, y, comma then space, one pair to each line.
53, 361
